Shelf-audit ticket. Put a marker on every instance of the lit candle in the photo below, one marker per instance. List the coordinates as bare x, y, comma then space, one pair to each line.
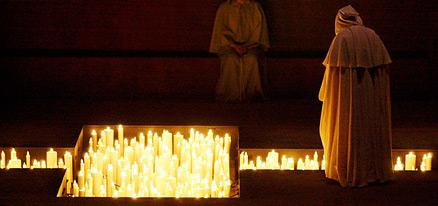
28, 159
103, 145
51, 157
109, 133
120, 138
81, 180
149, 136
429, 162
87, 164
109, 180
398, 166
3, 161
35, 164
61, 163
283, 162
69, 172
227, 143
142, 138
14, 162
307, 163
410, 161
426, 163
75, 189
290, 163
13, 154
177, 144
97, 181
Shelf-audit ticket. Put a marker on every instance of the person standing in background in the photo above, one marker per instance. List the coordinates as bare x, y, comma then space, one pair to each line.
239, 36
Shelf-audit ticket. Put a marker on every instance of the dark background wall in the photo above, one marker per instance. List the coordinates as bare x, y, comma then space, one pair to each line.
139, 48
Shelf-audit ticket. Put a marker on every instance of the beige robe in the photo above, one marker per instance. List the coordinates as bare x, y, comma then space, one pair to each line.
244, 25
355, 124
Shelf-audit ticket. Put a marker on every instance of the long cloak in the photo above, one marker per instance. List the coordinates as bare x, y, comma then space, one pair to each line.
355, 126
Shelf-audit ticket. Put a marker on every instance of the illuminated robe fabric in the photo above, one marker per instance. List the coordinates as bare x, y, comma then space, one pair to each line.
355, 125
244, 25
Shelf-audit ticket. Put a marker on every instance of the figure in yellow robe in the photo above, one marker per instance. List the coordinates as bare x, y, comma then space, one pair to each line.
355, 125
239, 35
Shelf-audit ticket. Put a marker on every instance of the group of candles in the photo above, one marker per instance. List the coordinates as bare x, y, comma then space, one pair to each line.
410, 160
287, 163
49, 163
154, 166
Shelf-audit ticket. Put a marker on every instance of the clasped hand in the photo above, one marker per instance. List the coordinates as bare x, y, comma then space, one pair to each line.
240, 50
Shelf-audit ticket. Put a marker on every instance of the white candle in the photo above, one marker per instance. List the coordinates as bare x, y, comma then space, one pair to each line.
69, 172
109, 133
51, 157
429, 162
290, 164
28, 159
87, 164
14, 162
103, 139
75, 189
13, 154
283, 162
177, 143
142, 138
81, 180
109, 180
61, 163
410, 161
97, 181
426, 163
35, 164
3, 161
120, 138
307, 163
227, 143
398, 166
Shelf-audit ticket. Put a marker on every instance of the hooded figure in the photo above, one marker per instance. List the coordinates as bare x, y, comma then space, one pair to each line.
239, 36
355, 124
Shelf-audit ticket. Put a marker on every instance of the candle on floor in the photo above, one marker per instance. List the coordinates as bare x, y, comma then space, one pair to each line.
109, 134
426, 162
75, 189
51, 157
410, 161
429, 162
120, 137
3, 161
14, 162
69, 172
28, 159
398, 166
